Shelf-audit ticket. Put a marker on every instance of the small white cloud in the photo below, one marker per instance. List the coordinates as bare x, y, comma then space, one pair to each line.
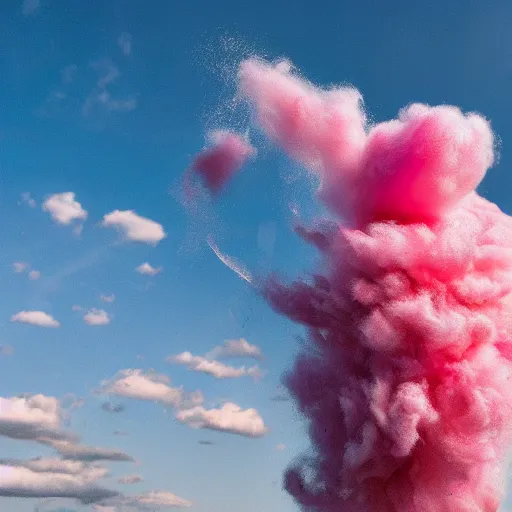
104, 100
19, 266
38, 318
130, 479
134, 227
230, 418
281, 447
215, 368
149, 386
64, 209
25, 197
148, 270
236, 349
34, 275
108, 298
29, 7
97, 317
75, 307
125, 43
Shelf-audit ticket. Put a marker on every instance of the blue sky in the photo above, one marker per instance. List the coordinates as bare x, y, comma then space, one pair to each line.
110, 100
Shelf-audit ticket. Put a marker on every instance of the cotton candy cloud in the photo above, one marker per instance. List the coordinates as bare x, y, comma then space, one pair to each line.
97, 317
64, 209
215, 368
404, 378
230, 418
134, 227
38, 318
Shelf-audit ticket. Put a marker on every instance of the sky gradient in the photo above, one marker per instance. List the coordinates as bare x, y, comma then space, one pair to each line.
103, 106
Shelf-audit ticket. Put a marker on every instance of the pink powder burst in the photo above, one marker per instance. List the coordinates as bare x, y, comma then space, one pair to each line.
406, 383
217, 164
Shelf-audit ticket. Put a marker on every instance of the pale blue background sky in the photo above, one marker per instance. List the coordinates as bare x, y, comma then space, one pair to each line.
395, 52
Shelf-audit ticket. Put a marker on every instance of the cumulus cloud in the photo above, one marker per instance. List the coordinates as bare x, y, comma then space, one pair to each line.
21, 482
108, 298
125, 43
236, 349
212, 367
134, 227
29, 7
64, 209
70, 450
19, 266
229, 418
150, 501
146, 269
149, 386
31, 417
130, 479
38, 318
28, 200
97, 317
34, 275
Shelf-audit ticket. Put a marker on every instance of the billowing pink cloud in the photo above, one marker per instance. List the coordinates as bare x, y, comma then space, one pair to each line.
405, 381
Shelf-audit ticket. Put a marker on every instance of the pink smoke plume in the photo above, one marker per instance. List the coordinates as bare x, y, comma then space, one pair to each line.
217, 164
406, 381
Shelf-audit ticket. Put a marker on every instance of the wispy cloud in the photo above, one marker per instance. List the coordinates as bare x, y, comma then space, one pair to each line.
28, 200
97, 317
215, 368
29, 7
280, 447
34, 275
20, 267
108, 298
108, 72
124, 42
108, 407
38, 318
104, 100
240, 348
130, 479
134, 227
70, 450
229, 418
150, 501
148, 270
64, 209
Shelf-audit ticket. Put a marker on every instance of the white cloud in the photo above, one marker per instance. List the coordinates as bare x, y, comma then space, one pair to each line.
150, 501
19, 266
38, 318
29, 7
215, 368
34, 275
31, 417
108, 298
27, 199
130, 479
236, 348
17, 481
125, 43
134, 227
229, 418
97, 317
146, 269
73, 451
149, 386
63, 208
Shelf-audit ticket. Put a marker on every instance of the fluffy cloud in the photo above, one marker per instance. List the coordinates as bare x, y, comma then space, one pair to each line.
70, 450
38, 318
150, 501
125, 43
21, 482
63, 208
229, 418
97, 317
19, 266
134, 227
108, 298
130, 479
149, 386
211, 367
236, 348
31, 417
146, 269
